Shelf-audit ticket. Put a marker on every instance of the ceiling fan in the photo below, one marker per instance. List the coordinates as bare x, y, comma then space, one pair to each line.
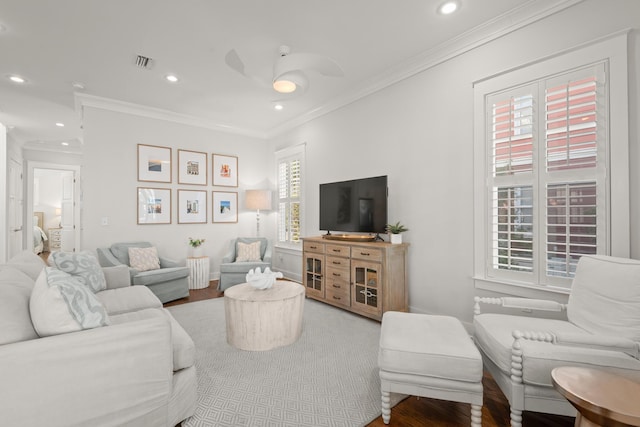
289, 69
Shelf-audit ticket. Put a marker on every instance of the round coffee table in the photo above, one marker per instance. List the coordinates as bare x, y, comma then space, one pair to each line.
263, 319
601, 398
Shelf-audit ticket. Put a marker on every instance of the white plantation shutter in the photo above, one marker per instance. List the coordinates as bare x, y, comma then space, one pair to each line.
546, 181
290, 167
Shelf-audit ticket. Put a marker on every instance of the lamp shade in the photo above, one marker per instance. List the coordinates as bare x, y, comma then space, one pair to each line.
258, 199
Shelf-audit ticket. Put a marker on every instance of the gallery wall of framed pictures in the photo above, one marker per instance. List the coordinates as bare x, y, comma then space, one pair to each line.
155, 165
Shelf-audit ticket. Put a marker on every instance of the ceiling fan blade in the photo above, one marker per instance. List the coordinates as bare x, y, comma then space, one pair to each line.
234, 62
307, 61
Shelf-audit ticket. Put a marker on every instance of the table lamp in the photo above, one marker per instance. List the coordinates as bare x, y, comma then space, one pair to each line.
258, 199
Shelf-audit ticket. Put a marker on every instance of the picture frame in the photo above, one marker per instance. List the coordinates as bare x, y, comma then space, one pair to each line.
192, 167
154, 205
225, 206
154, 163
192, 207
225, 170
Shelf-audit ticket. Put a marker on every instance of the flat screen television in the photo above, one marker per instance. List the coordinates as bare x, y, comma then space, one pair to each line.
356, 206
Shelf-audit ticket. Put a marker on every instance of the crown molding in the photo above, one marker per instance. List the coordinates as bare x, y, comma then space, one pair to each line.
84, 100
526, 14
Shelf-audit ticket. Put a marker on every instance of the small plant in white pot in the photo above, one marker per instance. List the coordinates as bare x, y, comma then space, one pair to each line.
195, 244
394, 231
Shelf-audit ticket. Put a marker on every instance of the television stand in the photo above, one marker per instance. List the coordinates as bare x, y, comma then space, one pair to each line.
367, 278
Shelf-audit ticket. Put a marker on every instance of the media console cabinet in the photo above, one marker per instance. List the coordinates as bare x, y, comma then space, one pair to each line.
367, 278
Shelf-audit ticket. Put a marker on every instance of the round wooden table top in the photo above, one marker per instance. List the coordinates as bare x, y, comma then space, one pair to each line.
280, 290
601, 397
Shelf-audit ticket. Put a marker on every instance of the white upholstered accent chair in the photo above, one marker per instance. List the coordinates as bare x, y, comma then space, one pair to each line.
601, 330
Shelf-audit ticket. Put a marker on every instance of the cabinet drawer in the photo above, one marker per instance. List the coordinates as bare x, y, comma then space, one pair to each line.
338, 297
314, 247
371, 254
337, 278
337, 262
338, 250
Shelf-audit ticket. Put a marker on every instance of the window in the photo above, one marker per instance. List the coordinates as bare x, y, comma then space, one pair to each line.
543, 176
290, 164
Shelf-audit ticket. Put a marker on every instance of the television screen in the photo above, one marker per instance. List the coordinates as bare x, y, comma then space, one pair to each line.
359, 205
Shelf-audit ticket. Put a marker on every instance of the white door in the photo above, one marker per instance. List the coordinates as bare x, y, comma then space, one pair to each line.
14, 210
67, 234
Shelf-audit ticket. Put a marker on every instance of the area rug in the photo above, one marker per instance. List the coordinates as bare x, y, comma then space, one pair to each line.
329, 377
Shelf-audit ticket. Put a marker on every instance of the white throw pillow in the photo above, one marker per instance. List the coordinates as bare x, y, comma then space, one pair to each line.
248, 252
83, 265
61, 303
144, 259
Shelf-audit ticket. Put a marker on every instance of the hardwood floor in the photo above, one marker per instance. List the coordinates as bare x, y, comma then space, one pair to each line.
417, 412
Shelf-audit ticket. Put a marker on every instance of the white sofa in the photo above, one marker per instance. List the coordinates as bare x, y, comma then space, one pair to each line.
137, 371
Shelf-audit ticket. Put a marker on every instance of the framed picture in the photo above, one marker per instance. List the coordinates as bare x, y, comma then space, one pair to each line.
225, 170
192, 167
154, 163
225, 206
154, 205
192, 207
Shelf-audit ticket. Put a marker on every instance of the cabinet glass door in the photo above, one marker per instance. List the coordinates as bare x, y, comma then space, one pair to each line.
366, 286
314, 274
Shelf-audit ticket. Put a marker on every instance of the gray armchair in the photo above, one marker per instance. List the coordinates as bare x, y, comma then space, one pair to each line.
234, 272
168, 283
601, 330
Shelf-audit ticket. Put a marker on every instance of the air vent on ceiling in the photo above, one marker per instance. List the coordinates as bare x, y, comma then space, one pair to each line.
144, 62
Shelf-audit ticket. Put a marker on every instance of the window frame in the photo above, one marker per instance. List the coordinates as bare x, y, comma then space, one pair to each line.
611, 50
287, 155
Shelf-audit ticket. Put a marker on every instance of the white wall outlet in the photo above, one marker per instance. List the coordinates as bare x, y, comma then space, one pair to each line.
104, 220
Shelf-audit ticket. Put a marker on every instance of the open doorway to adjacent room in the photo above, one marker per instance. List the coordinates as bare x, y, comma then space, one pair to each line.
53, 208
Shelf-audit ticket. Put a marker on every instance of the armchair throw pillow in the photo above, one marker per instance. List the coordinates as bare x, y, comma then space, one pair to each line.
83, 265
248, 252
61, 303
144, 259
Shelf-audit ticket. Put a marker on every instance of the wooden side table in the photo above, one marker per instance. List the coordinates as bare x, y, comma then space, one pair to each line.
198, 272
601, 398
263, 319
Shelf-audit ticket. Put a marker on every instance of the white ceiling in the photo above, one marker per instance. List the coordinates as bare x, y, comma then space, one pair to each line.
377, 42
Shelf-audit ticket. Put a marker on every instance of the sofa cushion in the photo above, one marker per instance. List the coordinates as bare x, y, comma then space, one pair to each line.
117, 276
144, 259
125, 300
242, 267
600, 307
29, 263
62, 303
158, 276
15, 319
83, 265
184, 350
494, 334
248, 252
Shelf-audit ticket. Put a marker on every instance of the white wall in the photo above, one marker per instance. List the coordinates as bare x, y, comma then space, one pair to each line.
110, 183
419, 132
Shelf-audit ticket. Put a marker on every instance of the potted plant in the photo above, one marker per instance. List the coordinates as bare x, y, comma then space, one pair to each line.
394, 231
195, 244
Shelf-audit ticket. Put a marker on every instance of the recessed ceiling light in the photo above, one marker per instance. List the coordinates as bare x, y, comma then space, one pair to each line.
60, 125
64, 143
448, 7
171, 78
17, 79
278, 107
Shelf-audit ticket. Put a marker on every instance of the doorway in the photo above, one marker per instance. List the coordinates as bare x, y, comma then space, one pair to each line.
53, 208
